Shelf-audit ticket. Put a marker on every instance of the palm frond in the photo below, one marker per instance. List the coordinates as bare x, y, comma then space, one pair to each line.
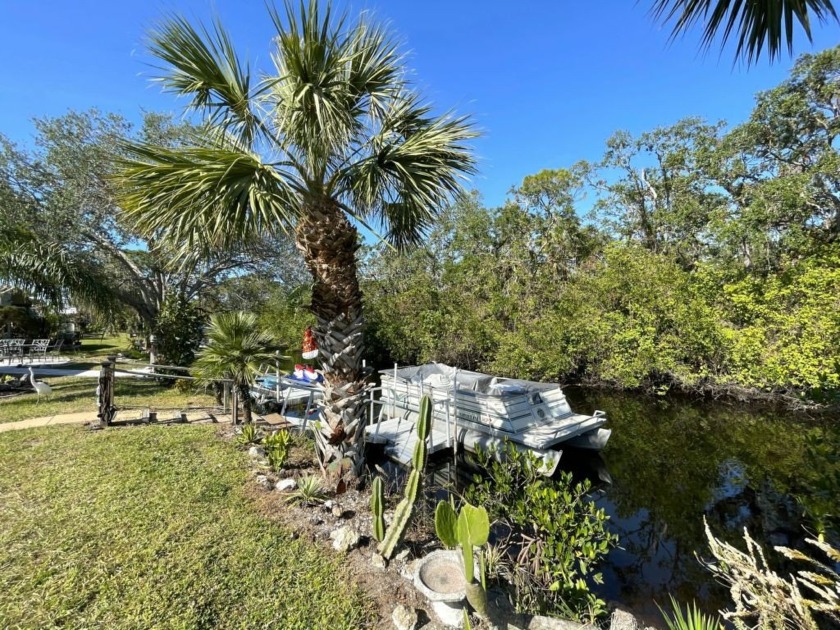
201, 63
204, 197
309, 94
415, 168
50, 272
236, 348
755, 23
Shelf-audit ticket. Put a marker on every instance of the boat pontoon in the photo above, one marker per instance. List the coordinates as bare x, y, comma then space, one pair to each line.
478, 410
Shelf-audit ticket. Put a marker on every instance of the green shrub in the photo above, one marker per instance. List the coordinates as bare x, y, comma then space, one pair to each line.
561, 534
178, 331
276, 448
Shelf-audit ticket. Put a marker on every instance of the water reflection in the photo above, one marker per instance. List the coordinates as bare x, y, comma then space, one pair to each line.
669, 464
674, 462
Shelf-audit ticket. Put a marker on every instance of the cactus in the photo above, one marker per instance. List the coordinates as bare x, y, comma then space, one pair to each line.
377, 506
446, 524
470, 528
412, 486
473, 530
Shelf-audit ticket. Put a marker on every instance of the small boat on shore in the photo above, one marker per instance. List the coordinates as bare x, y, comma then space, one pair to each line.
475, 410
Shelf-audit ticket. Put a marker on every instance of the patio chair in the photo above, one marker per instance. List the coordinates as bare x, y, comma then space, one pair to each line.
6, 350
56, 349
38, 348
16, 349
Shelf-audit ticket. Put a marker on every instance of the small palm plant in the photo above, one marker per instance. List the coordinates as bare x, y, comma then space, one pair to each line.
236, 347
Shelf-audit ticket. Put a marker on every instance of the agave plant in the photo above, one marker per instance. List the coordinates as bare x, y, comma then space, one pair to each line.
277, 448
691, 619
335, 137
249, 435
309, 491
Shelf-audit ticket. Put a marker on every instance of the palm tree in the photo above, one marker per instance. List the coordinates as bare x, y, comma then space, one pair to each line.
335, 137
754, 22
235, 350
53, 273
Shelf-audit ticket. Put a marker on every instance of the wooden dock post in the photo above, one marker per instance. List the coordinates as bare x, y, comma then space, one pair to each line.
106, 411
234, 412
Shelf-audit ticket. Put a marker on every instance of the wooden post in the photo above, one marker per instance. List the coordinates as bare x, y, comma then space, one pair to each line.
235, 406
106, 393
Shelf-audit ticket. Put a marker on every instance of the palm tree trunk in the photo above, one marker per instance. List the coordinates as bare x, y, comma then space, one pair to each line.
245, 397
329, 242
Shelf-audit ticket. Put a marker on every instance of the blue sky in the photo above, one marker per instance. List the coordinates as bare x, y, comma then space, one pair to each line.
547, 82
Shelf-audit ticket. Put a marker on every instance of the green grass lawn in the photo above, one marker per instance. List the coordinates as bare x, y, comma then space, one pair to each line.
94, 351
150, 527
73, 394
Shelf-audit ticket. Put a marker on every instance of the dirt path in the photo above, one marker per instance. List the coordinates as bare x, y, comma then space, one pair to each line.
63, 418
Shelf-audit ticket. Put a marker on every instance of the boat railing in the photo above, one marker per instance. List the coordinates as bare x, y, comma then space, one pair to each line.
442, 404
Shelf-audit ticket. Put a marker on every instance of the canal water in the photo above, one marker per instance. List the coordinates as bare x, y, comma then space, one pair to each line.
671, 462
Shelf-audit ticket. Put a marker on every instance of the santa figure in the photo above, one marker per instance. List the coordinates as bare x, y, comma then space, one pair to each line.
310, 346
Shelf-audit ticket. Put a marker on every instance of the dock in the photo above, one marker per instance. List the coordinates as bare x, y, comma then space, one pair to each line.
399, 436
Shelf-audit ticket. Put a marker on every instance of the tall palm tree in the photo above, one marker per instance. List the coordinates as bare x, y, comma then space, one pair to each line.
236, 347
755, 23
335, 137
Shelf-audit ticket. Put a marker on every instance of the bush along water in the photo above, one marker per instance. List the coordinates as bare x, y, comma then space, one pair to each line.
557, 534
405, 508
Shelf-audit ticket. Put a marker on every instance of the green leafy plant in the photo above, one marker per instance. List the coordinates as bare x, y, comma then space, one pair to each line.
467, 529
249, 434
560, 534
309, 491
691, 619
178, 330
277, 448
405, 507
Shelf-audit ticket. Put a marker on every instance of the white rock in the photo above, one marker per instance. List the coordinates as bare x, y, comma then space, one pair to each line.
622, 620
539, 622
264, 481
378, 561
345, 538
402, 555
256, 452
328, 505
284, 485
404, 618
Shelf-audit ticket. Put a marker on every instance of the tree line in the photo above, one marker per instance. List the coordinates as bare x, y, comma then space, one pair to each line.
698, 256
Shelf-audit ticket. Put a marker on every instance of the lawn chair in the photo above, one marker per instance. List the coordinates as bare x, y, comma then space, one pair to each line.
16, 349
56, 349
38, 348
